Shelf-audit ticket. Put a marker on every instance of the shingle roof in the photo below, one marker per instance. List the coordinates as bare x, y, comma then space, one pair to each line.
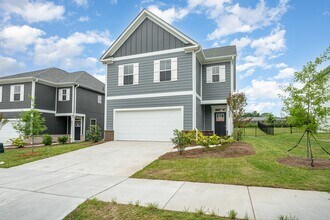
56, 75
220, 51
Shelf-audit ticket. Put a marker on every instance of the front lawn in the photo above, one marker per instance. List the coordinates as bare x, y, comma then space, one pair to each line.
261, 169
94, 209
18, 156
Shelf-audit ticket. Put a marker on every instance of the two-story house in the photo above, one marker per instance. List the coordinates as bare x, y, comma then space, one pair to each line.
159, 79
70, 102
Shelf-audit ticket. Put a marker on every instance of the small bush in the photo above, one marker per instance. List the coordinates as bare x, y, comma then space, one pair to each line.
18, 142
47, 139
214, 140
204, 141
62, 139
192, 137
229, 140
290, 217
181, 140
94, 134
237, 134
232, 214
152, 206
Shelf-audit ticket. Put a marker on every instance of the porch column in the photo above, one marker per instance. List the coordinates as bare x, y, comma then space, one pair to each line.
72, 130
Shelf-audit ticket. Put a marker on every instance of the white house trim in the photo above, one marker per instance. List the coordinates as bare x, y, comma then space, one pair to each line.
151, 95
105, 100
232, 76
33, 93
211, 102
27, 109
194, 109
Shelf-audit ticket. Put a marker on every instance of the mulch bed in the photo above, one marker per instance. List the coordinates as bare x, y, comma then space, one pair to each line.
305, 163
232, 150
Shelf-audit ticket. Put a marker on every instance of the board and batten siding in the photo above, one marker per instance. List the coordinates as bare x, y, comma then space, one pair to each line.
219, 90
146, 76
185, 101
7, 104
199, 115
148, 37
64, 106
45, 97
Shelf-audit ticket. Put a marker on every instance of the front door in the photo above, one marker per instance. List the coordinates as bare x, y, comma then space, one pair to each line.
77, 130
220, 123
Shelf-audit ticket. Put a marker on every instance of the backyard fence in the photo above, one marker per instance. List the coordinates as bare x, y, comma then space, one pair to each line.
268, 129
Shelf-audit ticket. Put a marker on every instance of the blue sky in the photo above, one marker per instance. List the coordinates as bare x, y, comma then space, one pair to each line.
274, 38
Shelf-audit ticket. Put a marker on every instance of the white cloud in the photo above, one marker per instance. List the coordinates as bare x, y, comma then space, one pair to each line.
17, 38
241, 43
81, 3
99, 77
169, 15
9, 66
263, 89
281, 65
248, 73
237, 19
213, 8
285, 73
252, 62
67, 52
261, 106
270, 45
84, 19
33, 11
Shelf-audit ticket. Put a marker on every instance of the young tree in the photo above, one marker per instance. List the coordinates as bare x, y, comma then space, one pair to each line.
31, 123
3, 121
236, 103
306, 105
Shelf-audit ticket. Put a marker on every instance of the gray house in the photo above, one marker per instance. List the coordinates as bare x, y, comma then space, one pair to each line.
159, 79
70, 102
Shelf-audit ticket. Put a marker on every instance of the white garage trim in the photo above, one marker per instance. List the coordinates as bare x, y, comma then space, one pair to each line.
115, 111
150, 95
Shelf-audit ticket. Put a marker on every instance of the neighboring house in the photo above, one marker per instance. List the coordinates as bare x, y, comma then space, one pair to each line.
159, 79
70, 102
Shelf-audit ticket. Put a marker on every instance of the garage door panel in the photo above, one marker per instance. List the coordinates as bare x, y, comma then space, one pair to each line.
153, 125
8, 132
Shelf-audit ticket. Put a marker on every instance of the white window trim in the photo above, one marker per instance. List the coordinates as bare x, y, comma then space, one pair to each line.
174, 70
210, 74
121, 74
99, 99
67, 95
12, 93
160, 70
0, 93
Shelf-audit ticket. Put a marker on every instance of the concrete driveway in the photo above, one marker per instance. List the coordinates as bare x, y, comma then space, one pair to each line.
53, 187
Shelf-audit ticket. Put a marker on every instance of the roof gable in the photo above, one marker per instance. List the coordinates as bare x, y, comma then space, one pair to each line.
140, 19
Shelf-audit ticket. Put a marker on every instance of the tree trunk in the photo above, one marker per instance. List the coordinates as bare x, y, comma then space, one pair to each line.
32, 143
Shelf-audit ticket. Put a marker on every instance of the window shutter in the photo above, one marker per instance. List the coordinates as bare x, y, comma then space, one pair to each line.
209, 74
156, 71
60, 95
222, 77
135, 73
174, 69
68, 94
120, 75
22, 93
11, 93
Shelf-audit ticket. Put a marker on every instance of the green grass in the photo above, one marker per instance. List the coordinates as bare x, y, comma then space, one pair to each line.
261, 169
94, 209
15, 157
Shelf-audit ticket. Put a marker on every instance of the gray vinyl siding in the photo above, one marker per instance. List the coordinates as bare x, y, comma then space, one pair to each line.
11, 115
199, 115
146, 76
55, 125
198, 77
87, 104
216, 91
185, 101
148, 37
64, 106
45, 97
207, 117
7, 104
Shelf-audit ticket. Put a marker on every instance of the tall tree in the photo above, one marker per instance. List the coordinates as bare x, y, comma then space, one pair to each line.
305, 104
236, 103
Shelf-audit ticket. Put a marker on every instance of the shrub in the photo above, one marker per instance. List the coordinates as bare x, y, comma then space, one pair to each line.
47, 139
214, 140
204, 141
290, 217
94, 134
232, 214
181, 140
229, 140
18, 142
192, 137
237, 134
62, 139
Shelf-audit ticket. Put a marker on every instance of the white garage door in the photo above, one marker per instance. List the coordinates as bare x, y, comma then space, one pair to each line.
147, 124
8, 132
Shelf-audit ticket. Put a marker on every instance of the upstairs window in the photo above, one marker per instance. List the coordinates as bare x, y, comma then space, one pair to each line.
99, 99
17, 93
215, 74
64, 95
128, 74
165, 70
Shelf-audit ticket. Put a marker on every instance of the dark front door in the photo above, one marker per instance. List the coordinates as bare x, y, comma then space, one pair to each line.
220, 123
77, 130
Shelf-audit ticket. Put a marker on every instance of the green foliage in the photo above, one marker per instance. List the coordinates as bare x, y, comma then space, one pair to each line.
236, 103
237, 134
252, 114
18, 142
181, 140
305, 104
232, 214
286, 217
47, 139
62, 139
214, 140
192, 137
228, 140
94, 134
152, 206
271, 118
203, 140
